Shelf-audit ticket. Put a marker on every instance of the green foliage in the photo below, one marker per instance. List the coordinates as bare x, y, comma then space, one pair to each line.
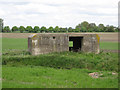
56, 29
101, 28
50, 29
6, 29
82, 27
29, 29
43, 29
15, 28
77, 29
66, 60
21, 29
36, 29
63, 29
110, 29
70, 29
92, 27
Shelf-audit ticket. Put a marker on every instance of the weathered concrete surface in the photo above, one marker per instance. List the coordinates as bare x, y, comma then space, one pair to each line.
91, 43
46, 43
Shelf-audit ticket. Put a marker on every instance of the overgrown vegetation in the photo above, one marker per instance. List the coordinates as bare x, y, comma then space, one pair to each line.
56, 70
64, 60
83, 27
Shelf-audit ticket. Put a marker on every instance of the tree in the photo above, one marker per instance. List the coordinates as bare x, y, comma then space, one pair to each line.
29, 29
50, 29
15, 28
101, 28
77, 29
56, 29
83, 29
63, 29
43, 29
116, 29
73, 30
6, 29
84, 26
21, 29
36, 29
92, 27
70, 29
109, 29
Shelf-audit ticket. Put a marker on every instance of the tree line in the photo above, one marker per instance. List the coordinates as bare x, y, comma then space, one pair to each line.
82, 27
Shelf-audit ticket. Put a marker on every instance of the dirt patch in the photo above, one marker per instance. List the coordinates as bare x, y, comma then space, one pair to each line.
101, 75
110, 37
113, 51
15, 35
95, 75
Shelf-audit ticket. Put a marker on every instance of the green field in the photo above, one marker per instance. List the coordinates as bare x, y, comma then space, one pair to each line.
57, 70
109, 45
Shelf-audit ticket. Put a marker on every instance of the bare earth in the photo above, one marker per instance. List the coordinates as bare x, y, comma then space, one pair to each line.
110, 37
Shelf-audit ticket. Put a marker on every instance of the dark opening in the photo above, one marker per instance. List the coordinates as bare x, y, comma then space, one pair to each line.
53, 37
75, 43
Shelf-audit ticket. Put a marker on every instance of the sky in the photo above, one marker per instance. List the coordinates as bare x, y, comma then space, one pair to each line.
62, 13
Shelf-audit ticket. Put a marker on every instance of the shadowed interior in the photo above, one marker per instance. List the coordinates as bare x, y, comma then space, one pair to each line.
77, 43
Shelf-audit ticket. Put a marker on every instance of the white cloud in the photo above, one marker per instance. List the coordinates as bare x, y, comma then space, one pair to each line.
63, 13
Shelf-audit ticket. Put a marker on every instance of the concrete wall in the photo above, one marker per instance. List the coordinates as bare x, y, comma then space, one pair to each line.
91, 43
46, 43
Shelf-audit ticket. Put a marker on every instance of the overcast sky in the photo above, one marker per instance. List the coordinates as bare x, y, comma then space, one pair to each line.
63, 13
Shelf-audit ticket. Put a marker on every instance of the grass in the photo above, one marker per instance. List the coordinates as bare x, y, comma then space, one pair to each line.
109, 45
14, 43
56, 70
44, 77
64, 60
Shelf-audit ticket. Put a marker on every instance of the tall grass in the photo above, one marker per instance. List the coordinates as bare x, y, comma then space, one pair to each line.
67, 60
